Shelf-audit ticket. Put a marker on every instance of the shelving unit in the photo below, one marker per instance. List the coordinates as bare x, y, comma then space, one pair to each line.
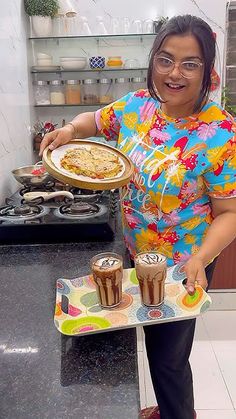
89, 70
98, 37
126, 45
98, 105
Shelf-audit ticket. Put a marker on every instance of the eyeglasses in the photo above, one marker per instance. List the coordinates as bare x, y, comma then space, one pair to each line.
188, 69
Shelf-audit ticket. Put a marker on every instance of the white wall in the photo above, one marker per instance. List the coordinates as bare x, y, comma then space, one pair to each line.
213, 11
15, 139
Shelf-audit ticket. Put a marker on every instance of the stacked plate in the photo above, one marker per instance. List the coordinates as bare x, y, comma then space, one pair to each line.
45, 63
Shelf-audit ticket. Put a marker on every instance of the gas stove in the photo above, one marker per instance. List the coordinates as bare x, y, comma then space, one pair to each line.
57, 213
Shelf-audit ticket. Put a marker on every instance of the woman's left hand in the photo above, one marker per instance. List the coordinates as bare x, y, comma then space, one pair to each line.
195, 272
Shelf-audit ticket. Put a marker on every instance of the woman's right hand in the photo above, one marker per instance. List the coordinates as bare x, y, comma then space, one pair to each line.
57, 138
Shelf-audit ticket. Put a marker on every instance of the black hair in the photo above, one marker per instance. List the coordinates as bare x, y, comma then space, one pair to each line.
184, 25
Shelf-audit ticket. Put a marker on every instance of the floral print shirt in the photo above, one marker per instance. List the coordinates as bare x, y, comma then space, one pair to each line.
179, 164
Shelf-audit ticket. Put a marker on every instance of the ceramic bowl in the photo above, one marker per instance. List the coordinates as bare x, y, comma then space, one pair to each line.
44, 61
73, 63
42, 55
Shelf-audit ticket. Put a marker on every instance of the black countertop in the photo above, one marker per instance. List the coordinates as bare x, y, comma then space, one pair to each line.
48, 375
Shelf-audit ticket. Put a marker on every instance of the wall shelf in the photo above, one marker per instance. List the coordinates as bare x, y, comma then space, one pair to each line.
89, 70
66, 105
136, 45
97, 37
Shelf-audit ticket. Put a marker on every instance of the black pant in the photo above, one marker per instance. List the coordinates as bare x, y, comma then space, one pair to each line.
168, 349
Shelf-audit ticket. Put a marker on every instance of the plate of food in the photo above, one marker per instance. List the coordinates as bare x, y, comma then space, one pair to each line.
88, 164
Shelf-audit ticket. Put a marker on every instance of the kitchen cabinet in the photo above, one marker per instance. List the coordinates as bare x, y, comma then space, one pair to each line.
230, 76
224, 276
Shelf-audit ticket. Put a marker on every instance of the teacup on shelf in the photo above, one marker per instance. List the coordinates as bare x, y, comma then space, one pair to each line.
132, 63
97, 62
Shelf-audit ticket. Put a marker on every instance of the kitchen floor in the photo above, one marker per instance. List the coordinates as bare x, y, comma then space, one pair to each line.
213, 361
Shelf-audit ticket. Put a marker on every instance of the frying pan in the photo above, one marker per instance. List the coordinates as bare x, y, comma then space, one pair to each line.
32, 175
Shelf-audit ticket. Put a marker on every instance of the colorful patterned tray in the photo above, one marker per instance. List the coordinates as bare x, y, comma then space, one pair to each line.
78, 312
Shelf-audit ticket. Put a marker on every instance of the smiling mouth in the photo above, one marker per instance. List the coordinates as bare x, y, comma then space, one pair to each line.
175, 86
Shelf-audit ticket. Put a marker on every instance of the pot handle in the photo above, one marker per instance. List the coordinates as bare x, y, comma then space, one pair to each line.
30, 196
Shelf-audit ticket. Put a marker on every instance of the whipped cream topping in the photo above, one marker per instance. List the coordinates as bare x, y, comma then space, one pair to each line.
105, 263
151, 258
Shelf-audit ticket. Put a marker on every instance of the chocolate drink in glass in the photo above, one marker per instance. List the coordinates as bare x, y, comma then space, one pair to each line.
107, 269
151, 273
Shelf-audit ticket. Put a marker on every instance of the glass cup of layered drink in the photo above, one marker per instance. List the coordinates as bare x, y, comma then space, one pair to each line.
151, 271
107, 269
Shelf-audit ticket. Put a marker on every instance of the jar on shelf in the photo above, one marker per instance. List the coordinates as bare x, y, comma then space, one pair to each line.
41, 92
57, 95
122, 87
73, 92
115, 62
139, 83
90, 91
58, 25
72, 24
105, 91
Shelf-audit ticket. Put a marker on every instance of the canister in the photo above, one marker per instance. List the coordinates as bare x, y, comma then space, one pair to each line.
57, 96
122, 87
105, 91
138, 83
72, 92
41, 92
90, 91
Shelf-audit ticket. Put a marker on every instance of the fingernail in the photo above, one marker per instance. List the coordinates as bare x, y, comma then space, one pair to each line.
51, 147
191, 288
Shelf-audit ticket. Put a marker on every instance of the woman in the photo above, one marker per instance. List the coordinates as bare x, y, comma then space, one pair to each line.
183, 149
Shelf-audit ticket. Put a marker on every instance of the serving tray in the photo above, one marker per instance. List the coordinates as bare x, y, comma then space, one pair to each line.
86, 182
77, 311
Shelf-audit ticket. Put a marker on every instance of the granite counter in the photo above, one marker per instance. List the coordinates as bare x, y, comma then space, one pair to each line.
47, 375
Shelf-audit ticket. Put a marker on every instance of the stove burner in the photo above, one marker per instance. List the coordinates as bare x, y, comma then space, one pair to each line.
79, 208
23, 209
85, 195
49, 187
21, 212
77, 191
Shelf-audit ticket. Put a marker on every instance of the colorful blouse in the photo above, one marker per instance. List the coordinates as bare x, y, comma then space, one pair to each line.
179, 164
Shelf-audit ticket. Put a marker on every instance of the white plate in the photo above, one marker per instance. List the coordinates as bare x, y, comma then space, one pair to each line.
59, 153
46, 68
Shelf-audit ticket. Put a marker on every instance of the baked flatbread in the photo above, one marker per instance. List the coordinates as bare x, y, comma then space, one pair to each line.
94, 163
104, 155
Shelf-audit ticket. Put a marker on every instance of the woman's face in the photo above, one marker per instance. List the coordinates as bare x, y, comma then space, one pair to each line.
179, 93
